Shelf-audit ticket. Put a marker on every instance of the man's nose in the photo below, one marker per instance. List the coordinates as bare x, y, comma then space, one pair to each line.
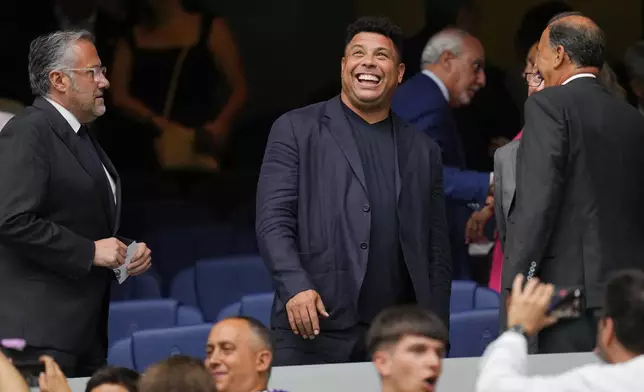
480, 78
103, 82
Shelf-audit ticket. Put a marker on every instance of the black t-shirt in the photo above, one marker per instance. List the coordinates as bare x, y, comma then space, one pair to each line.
386, 280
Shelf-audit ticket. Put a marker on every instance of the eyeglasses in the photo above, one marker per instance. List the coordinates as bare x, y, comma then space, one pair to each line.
97, 71
534, 79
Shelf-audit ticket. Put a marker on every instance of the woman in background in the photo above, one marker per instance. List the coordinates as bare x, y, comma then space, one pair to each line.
170, 71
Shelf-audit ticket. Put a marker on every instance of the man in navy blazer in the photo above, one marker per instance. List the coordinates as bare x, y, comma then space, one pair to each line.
452, 72
350, 210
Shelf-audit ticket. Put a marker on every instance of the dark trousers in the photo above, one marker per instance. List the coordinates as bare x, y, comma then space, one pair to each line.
72, 365
571, 335
328, 347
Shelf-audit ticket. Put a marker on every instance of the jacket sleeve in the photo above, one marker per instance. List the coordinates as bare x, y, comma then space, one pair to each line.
499, 214
540, 169
441, 267
277, 204
24, 170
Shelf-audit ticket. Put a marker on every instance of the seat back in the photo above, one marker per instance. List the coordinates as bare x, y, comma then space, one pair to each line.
471, 331
258, 306
127, 317
221, 282
462, 297
146, 286
144, 348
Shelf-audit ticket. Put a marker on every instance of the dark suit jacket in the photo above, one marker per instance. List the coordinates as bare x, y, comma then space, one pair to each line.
313, 219
576, 216
53, 207
421, 102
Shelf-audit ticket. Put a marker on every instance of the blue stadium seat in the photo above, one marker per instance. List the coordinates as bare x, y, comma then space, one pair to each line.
471, 331
467, 295
257, 306
128, 317
144, 348
214, 284
146, 286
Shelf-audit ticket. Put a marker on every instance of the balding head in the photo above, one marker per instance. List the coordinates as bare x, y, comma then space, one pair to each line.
239, 355
571, 44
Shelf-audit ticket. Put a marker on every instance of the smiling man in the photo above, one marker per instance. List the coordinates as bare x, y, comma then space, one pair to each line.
239, 355
350, 209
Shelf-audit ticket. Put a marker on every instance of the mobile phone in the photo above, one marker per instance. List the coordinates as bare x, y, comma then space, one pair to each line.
29, 367
566, 303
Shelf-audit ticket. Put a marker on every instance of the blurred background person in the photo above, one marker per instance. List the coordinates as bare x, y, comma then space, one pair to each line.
177, 373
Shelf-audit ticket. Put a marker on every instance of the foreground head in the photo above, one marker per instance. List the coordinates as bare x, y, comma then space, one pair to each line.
113, 379
619, 336
177, 373
239, 354
65, 66
407, 344
371, 66
571, 44
458, 60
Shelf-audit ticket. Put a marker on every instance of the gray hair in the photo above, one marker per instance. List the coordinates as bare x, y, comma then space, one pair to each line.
52, 52
450, 39
634, 61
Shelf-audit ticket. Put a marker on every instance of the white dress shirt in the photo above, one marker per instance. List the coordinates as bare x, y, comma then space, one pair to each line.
75, 124
581, 75
503, 369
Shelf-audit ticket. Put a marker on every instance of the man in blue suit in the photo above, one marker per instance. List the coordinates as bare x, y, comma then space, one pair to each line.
452, 72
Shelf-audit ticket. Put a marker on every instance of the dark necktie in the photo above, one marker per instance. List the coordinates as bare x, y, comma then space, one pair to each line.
83, 133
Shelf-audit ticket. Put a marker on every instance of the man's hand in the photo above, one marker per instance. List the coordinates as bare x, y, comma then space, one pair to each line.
53, 379
476, 225
528, 305
109, 253
141, 261
303, 311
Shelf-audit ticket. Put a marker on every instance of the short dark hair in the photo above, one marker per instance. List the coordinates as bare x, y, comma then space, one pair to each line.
379, 25
583, 43
624, 303
177, 373
124, 377
393, 324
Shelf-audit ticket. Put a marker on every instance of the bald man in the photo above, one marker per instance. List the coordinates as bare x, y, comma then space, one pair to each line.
239, 355
577, 213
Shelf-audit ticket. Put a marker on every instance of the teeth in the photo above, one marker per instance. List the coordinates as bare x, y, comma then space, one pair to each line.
372, 78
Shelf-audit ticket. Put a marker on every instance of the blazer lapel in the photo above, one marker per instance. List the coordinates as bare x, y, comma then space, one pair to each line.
71, 139
340, 128
404, 141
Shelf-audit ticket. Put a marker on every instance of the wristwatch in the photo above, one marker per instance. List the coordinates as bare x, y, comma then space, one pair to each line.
518, 328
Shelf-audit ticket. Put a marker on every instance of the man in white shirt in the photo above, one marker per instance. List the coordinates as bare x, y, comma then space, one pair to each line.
407, 345
620, 341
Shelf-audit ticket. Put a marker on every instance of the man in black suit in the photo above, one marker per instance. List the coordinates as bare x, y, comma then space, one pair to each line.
350, 209
60, 201
575, 217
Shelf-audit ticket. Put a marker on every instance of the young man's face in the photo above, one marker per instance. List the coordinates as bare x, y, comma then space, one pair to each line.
414, 364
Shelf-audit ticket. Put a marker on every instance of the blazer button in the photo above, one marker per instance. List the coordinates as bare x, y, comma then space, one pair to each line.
366, 208
363, 245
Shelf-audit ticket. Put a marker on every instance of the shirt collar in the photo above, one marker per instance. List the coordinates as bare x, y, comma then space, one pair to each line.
439, 82
581, 75
71, 119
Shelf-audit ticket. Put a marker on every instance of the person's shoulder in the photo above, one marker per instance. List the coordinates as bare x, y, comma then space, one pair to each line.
30, 122
303, 115
420, 138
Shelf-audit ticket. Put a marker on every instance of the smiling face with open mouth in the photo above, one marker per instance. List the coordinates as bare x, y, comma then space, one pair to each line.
371, 70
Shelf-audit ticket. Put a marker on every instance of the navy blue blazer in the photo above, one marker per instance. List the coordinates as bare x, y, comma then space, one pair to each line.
420, 102
313, 216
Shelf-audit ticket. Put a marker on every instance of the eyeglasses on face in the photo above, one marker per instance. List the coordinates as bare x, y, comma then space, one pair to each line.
534, 79
96, 71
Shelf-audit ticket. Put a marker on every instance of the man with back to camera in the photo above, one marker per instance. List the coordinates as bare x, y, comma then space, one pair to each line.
574, 218
407, 345
60, 201
619, 341
452, 72
350, 210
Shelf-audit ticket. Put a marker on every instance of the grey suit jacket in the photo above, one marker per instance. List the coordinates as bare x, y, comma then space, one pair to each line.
505, 159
